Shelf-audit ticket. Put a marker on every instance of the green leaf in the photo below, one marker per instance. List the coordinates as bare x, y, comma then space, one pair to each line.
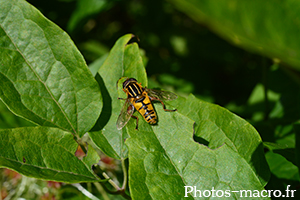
281, 167
44, 78
9, 120
45, 153
95, 66
217, 126
124, 60
164, 158
267, 27
273, 146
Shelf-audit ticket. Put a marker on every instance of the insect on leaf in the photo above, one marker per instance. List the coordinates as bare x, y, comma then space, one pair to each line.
162, 95
124, 60
125, 114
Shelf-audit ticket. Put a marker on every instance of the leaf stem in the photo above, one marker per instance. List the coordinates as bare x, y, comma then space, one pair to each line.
111, 181
83, 145
120, 191
101, 190
85, 192
125, 174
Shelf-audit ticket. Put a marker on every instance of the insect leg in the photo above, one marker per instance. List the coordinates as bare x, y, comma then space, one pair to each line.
121, 98
162, 103
137, 121
131, 107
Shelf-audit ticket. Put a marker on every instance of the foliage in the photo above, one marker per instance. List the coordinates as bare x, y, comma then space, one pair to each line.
45, 80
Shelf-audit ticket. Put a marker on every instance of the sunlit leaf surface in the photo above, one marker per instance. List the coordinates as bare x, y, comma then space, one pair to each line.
43, 76
163, 158
45, 153
123, 60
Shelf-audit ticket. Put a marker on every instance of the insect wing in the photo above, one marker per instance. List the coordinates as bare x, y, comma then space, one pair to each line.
126, 113
162, 95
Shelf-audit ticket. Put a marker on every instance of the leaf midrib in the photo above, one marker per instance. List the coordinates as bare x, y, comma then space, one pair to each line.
39, 167
52, 97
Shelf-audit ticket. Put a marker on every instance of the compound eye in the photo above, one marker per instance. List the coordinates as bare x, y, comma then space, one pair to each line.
132, 80
127, 81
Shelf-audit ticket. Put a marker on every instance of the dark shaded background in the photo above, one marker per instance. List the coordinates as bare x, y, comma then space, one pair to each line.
180, 52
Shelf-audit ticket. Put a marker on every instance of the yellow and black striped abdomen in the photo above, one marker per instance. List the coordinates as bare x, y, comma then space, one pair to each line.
145, 108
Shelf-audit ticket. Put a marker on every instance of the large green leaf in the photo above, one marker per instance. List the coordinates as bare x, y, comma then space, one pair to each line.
164, 158
45, 153
44, 78
123, 60
267, 27
218, 126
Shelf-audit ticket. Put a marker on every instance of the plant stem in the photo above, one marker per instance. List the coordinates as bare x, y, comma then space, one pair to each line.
102, 191
125, 174
85, 192
122, 190
111, 181
119, 190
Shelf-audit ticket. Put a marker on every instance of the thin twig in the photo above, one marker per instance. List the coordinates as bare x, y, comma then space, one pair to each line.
102, 191
111, 181
125, 174
85, 192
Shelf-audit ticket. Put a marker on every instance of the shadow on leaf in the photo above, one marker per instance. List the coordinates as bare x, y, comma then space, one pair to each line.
107, 108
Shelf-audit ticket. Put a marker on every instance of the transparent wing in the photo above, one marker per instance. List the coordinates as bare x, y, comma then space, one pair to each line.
162, 95
126, 113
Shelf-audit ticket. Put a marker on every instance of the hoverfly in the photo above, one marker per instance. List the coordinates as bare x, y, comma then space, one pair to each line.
140, 98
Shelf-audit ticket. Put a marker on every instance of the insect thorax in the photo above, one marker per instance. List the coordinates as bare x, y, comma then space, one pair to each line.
134, 90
